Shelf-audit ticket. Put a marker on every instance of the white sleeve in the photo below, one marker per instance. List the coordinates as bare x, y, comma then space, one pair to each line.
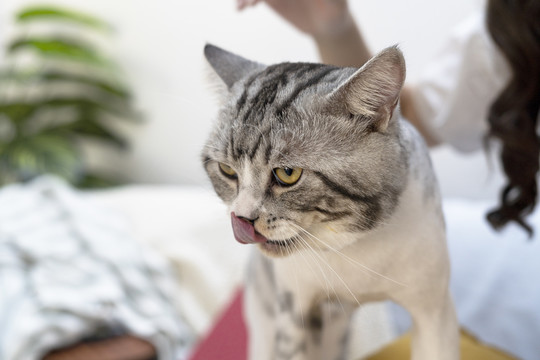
455, 92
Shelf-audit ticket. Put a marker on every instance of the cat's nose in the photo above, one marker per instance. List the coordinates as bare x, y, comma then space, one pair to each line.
251, 221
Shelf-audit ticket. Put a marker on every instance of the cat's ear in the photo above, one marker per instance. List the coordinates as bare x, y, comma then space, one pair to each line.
373, 91
228, 66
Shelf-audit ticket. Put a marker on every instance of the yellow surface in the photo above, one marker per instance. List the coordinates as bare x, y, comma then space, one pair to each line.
471, 349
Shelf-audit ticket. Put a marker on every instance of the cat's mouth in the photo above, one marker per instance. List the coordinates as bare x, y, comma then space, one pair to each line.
280, 242
245, 233
278, 247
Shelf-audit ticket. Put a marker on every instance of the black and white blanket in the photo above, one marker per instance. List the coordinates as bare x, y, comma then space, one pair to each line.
69, 268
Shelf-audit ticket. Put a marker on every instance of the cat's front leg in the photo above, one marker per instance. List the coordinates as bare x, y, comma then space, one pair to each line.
319, 332
292, 340
435, 329
309, 325
276, 316
329, 330
286, 321
259, 308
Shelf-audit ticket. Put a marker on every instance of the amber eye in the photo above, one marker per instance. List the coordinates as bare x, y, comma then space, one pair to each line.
287, 176
227, 171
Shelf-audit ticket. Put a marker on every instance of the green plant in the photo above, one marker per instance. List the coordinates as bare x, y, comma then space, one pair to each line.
58, 92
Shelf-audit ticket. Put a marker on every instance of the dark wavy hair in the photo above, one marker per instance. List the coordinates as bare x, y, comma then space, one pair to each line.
514, 26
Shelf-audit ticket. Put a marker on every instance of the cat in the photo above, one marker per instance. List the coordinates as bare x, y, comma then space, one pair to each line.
336, 194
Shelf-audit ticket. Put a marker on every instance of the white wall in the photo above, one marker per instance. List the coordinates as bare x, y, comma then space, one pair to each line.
159, 43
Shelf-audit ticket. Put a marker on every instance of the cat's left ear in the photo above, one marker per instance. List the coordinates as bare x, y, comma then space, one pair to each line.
228, 66
373, 91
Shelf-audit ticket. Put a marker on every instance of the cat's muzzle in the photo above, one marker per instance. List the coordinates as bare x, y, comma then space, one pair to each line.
245, 232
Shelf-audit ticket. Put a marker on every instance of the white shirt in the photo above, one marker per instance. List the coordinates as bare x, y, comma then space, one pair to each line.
454, 94
494, 275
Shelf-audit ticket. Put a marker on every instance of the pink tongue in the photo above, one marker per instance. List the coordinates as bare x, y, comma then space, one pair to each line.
244, 232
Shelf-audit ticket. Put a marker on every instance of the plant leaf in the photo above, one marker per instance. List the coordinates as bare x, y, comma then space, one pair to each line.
44, 153
87, 127
97, 181
109, 87
58, 47
32, 13
20, 111
17, 112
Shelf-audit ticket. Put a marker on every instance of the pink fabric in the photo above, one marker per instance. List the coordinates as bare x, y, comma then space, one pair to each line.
227, 340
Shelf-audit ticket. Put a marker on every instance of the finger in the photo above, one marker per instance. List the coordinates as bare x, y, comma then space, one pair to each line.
241, 4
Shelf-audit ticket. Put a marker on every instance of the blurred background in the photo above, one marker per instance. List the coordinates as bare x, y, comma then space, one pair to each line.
117, 93
158, 46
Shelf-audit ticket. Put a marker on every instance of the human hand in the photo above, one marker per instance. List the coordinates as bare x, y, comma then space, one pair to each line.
318, 18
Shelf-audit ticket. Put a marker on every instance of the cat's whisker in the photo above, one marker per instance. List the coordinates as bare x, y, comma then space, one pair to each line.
338, 298
333, 271
296, 250
349, 259
326, 283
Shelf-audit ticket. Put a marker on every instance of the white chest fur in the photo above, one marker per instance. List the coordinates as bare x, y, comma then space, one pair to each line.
405, 261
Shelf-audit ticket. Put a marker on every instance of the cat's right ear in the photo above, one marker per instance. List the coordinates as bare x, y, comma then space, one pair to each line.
373, 91
228, 66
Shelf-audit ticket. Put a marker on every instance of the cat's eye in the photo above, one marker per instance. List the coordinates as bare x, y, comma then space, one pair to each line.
287, 176
227, 171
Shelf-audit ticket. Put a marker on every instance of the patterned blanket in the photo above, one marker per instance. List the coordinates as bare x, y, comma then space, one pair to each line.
69, 269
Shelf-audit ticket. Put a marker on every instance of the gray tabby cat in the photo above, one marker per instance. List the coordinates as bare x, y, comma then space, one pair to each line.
338, 195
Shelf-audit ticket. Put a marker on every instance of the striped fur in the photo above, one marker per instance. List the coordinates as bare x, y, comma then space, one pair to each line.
285, 115
367, 194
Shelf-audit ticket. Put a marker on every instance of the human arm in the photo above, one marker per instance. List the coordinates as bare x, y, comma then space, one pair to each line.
329, 23
410, 112
339, 41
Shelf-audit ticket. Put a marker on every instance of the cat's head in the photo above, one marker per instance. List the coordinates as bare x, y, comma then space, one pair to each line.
306, 156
